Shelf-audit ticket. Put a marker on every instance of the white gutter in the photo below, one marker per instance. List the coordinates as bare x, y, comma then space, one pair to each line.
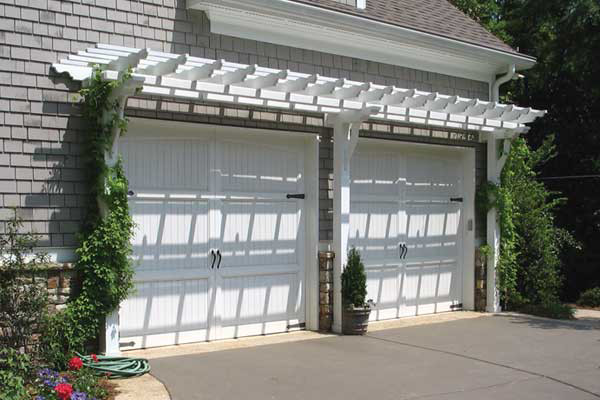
328, 17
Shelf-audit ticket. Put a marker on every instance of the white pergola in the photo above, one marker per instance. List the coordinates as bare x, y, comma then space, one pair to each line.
345, 103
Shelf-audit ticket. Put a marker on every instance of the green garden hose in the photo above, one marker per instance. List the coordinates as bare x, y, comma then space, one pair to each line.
116, 367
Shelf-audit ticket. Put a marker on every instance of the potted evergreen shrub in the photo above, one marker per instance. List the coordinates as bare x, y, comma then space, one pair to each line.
356, 311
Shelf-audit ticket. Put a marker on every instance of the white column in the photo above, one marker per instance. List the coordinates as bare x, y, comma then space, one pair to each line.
110, 336
345, 137
493, 229
109, 339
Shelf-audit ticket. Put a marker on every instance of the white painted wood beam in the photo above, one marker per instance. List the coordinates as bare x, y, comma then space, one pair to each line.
478, 109
129, 61
496, 112
439, 103
460, 106
418, 100
295, 85
197, 73
349, 91
231, 77
374, 95
264, 81
397, 97
162, 67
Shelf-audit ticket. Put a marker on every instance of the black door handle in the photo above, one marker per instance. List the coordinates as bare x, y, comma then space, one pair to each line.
403, 250
219, 254
214, 257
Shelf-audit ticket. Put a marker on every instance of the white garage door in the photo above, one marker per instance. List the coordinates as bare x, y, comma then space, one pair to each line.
406, 222
218, 246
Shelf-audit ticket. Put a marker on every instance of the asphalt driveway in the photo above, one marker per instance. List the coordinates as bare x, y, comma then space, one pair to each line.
493, 357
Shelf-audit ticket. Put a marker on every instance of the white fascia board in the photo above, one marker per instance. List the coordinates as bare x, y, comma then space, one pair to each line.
304, 26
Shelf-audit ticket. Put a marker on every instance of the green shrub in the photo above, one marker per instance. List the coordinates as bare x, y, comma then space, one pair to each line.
590, 298
354, 281
22, 301
554, 310
15, 370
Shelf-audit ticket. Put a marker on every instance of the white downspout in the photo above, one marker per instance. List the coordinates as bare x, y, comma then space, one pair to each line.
494, 168
512, 70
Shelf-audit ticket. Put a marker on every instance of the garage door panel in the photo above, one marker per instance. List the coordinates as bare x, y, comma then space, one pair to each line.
382, 288
260, 304
374, 173
429, 177
374, 230
167, 164
245, 167
433, 232
261, 233
170, 234
157, 311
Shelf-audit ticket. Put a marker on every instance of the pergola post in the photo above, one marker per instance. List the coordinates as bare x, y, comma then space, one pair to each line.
109, 337
493, 230
345, 138
495, 164
341, 211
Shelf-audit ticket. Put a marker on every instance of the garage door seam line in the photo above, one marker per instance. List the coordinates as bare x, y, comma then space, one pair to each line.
487, 362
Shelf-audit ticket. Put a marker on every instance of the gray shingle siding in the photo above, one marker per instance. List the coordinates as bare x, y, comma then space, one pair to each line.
41, 131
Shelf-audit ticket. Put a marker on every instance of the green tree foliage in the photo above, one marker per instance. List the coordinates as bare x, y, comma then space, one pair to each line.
564, 36
536, 240
354, 281
22, 300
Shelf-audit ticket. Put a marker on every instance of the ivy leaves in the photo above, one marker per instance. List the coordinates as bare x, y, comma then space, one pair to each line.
529, 264
104, 265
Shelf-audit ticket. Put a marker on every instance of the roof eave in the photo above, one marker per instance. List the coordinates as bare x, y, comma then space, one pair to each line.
334, 19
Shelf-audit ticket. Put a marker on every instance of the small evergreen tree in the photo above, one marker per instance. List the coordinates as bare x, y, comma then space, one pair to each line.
22, 300
354, 281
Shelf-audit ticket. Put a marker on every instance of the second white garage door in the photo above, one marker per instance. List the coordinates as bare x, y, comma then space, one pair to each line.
219, 246
406, 220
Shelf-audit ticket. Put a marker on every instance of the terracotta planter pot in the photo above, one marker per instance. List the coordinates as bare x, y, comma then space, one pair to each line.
355, 320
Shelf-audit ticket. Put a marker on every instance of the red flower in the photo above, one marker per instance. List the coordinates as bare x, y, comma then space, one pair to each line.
94, 357
64, 391
75, 364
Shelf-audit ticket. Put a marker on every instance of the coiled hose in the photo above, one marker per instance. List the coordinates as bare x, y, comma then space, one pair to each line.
116, 367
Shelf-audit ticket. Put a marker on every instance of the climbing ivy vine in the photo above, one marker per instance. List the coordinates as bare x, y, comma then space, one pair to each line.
528, 270
491, 195
104, 267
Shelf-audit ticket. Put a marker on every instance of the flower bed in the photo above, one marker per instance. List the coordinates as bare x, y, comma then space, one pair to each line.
79, 383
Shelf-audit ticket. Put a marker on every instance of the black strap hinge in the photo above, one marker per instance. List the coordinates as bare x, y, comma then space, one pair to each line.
295, 196
456, 199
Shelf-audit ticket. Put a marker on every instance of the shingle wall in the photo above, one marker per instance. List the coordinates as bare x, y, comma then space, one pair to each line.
41, 133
